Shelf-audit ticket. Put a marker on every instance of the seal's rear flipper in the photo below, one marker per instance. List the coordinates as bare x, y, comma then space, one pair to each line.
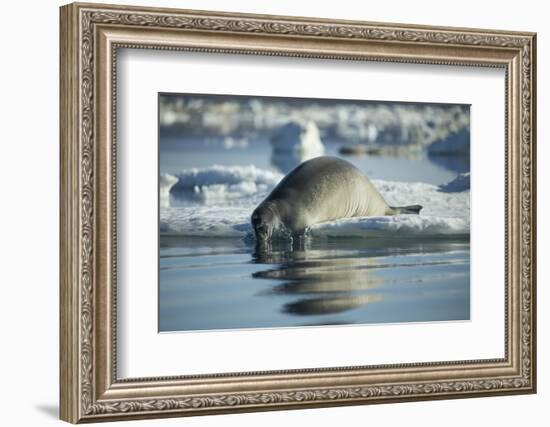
413, 209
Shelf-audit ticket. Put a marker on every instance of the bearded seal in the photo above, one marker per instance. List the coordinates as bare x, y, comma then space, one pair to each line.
319, 190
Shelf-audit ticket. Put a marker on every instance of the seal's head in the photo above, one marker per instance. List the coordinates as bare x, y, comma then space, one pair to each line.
264, 222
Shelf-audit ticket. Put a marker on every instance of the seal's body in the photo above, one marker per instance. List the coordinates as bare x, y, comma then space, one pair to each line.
319, 190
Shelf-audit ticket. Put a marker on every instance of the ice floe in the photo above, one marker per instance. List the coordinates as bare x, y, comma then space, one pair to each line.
218, 202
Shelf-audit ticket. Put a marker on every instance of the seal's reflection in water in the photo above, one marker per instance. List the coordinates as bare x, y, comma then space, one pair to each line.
338, 279
321, 287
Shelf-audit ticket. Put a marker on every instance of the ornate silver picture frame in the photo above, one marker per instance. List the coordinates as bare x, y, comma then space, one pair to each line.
91, 37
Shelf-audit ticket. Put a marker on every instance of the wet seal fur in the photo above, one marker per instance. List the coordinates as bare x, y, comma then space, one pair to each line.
319, 190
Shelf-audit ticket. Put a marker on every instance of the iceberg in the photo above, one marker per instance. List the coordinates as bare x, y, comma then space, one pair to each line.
294, 143
223, 184
460, 183
166, 182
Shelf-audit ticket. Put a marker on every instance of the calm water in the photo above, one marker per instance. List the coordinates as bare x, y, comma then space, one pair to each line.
223, 283
177, 154
218, 283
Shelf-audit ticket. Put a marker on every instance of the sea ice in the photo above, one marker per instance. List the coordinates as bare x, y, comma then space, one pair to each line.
239, 189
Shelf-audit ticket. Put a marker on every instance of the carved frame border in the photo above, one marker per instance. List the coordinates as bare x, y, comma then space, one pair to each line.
90, 390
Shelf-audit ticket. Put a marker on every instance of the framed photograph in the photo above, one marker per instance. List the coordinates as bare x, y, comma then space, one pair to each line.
267, 212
